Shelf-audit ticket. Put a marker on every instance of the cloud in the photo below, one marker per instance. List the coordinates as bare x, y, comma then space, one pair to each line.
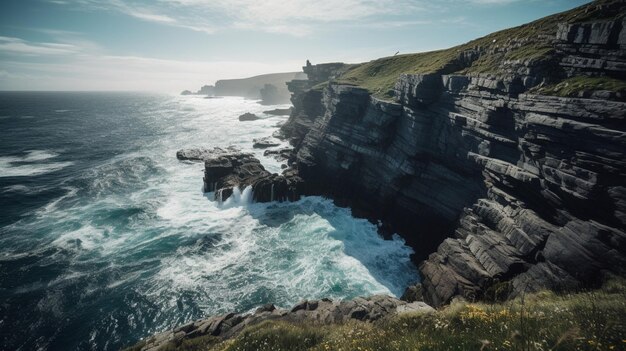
118, 72
493, 2
293, 17
144, 12
152, 17
12, 45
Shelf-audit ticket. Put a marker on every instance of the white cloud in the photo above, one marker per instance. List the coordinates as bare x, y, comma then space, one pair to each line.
294, 17
152, 17
19, 46
113, 72
493, 2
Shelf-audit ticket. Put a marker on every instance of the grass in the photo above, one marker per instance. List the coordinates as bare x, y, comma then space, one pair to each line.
573, 86
594, 320
498, 52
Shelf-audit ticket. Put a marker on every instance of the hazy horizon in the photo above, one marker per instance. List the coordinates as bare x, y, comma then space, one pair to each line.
172, 45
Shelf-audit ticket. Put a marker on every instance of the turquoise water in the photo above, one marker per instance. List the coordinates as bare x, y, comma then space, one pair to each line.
105, 237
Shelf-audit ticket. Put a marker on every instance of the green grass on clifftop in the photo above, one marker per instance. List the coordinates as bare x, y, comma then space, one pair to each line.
573, 86
528, 42
543, 321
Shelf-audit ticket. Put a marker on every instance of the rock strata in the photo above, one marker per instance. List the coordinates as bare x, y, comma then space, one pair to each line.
225, 172
490, 184
200, 154
324, 311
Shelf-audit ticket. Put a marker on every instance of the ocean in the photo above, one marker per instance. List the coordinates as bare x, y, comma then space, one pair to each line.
106, 238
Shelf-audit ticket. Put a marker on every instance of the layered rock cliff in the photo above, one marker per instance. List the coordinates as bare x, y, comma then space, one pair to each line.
489, 180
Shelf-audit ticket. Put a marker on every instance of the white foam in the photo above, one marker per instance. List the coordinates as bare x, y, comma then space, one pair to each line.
238, 198
87, 238
39, 155
52, 205
29, 165
180, 244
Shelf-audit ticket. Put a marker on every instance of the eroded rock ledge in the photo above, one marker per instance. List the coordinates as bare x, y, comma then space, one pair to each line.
323, 311
229, 168
494, 187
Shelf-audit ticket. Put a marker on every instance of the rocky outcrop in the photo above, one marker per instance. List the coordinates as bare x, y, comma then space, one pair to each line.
227, 169
225, 172
263, 143
594, 48
489, 184
248, 117
278, 112
283, 154
324, 311
492, 185
200, 154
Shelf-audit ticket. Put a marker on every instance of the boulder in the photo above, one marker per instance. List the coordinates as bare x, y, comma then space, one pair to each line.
239, 170
200, 154
263, 143
248, 117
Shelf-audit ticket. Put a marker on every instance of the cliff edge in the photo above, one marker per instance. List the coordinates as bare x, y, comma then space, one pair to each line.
502, 162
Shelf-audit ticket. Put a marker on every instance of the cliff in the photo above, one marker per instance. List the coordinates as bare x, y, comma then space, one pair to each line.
502, 162
251, 87
496, 184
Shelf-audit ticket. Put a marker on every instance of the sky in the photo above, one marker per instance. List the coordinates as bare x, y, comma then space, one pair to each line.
171, 45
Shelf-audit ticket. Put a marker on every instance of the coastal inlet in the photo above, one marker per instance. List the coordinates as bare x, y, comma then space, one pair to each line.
106, 237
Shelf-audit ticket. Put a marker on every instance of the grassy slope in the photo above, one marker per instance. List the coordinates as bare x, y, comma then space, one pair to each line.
526, 42
543, 321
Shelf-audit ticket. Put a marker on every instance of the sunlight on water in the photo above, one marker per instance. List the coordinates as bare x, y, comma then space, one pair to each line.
111, 237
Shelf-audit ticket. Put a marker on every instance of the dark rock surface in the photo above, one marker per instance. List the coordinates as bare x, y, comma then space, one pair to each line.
200, 154
283, 154
224, 172
263, 143
279, 112
248, 117
324, 311
488, 184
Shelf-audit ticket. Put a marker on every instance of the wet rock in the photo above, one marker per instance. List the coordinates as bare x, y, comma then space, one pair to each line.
224, 173
200, 154
263, 143
505, 186
283, 154
278, 112
248, 117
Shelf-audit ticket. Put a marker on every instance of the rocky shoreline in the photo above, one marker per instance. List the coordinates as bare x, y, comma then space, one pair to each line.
500, 191
324, 311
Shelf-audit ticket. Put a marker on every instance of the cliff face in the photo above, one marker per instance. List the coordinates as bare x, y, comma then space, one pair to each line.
250, 88
489, 183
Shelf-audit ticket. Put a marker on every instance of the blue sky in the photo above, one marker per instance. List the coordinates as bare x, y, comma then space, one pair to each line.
170, 45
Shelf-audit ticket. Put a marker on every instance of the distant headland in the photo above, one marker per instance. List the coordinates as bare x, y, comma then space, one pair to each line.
269, 88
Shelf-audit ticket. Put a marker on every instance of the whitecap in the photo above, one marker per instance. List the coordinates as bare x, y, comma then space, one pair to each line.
8, 170
29, 165
39, 155
18, 188
238, 198
52, 206
88, 238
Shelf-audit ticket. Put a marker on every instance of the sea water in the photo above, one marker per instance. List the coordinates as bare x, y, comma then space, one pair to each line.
105, 237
